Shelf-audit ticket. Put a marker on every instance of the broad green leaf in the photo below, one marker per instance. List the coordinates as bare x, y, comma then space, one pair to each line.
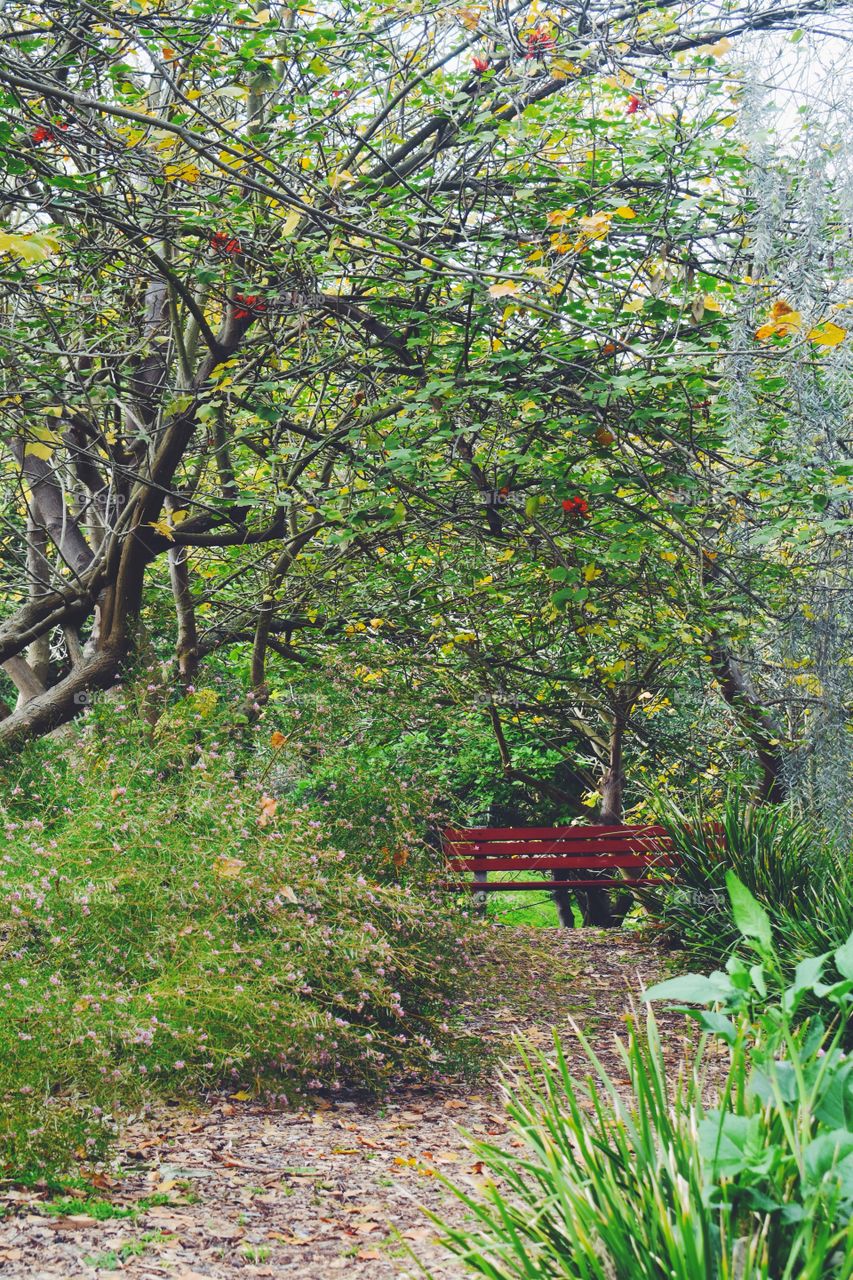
749, 916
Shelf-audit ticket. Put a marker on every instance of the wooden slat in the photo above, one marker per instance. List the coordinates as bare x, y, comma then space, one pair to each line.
467, 834
529, 848
548, 863
509, 886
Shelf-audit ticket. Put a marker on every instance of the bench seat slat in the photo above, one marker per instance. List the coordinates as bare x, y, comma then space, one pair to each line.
510, 886
548, 863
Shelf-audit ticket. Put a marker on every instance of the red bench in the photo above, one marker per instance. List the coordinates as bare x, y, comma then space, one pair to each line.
605, 851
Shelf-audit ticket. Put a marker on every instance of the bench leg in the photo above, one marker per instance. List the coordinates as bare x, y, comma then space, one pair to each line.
480, 877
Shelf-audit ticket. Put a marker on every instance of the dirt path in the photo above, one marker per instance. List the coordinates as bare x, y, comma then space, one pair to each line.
238, 1190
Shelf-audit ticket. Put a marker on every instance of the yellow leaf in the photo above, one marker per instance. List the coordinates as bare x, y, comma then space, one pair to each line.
561, 69
337, 178
591, 572
624, 211
783, 320
669, 556
559, 217
504, 289
36, 449
291, 222
827, 334
164, 528
243, 1095
183, 172
42, 443
636, 304
722, 46
227, 868
32, 248
711, 303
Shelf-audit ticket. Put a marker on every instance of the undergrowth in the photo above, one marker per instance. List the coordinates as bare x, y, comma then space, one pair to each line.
167, 925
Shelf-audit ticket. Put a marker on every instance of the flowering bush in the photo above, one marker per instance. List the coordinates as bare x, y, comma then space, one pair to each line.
174, 927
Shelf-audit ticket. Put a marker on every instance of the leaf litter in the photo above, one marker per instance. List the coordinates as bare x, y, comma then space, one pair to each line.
246, 1190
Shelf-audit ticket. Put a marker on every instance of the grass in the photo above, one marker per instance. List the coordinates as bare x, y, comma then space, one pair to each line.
529, 907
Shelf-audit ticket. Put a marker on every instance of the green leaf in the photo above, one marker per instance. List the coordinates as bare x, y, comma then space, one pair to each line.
749, 916
844, 958
695, 988
717, 1023
835, 1108
725, 1142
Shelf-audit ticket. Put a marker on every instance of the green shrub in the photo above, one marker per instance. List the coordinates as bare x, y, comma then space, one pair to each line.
794, 870
167, 925
652, 1182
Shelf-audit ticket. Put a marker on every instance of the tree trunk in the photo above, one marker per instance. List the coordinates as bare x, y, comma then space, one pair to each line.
38, 580
596, 905
764, 732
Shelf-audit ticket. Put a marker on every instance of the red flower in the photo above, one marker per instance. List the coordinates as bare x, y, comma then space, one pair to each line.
249, 306
222, 243
539, 42
633, 105
43, 134
480, 65
576, 506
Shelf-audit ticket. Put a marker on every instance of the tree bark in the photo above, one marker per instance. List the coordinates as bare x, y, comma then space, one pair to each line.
186, 645
762, 729
596, 905
38, 653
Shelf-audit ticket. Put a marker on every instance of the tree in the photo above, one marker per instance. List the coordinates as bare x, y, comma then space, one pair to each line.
269, 272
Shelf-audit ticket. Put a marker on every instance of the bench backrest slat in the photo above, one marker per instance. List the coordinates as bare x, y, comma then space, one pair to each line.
455, 835
645, 848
